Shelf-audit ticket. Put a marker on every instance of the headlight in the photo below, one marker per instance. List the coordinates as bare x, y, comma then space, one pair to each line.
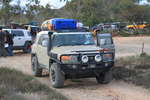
107, 56
69, 59
98, 58
84, 59
66, 58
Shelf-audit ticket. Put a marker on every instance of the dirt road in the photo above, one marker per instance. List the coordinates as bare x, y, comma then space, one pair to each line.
127, 46
88, 89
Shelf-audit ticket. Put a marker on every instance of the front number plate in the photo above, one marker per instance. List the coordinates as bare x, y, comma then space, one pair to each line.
92, 66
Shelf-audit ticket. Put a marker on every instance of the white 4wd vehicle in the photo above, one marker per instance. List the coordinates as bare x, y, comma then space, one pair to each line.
70, 55
22, 39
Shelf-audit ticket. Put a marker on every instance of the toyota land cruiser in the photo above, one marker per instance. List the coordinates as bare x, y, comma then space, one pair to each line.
70, 55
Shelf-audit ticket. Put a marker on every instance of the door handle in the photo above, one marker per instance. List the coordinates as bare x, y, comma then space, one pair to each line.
19, 38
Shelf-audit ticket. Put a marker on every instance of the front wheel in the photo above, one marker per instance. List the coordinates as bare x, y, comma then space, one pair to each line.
27, 47
104, 78
56, 76
35, 67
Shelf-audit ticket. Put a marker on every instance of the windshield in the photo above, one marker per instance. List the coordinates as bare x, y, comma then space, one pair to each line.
73, 40
34, 29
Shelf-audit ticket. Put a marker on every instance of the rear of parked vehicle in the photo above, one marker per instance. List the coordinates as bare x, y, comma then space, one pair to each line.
22, 39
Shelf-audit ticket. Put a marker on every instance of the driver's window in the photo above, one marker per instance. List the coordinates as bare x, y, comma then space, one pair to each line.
43, 41
56, 40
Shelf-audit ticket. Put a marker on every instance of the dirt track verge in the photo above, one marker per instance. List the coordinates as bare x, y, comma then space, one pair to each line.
88, 89
135, 69
82, 89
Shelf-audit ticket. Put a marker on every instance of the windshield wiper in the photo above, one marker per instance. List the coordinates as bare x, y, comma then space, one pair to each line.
76, 44
62, 45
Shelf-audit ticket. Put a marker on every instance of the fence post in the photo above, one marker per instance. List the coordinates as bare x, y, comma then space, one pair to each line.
142, 48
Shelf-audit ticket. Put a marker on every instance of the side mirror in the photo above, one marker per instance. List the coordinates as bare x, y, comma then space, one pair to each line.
97, 41
50, 33
14, 35
44, 43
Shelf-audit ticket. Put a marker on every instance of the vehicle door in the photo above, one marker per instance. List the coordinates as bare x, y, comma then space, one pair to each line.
18, 39
106, 41
42, 51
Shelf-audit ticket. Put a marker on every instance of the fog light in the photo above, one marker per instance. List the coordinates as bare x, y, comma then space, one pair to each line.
106, 64
74, 67
85, 59
98, 58
92, 66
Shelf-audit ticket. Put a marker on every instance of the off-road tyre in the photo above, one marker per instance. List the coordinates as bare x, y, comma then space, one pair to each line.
27, 47
105, 78
56, 76
36, 70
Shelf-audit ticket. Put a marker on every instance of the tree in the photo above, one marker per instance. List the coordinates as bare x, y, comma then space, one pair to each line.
92, 12
33, 11
39, 13
5, 11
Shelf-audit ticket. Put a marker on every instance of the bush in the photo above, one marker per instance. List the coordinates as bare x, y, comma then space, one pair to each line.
13, 82
133, 32
135, 69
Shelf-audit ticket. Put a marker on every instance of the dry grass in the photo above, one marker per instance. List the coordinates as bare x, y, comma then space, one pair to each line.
135, 69
15, 85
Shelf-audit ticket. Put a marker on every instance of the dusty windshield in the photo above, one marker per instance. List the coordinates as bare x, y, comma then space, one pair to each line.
73, 40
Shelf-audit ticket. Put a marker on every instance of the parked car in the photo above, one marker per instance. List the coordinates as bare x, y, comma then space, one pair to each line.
137, 26
22, 39
33, 29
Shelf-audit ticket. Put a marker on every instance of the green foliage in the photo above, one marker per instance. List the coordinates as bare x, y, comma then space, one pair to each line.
92, 12
133, 32
33, 11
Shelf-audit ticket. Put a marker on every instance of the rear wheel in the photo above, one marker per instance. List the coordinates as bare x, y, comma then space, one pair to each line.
56, 76
35, 67
27, 47
104, 78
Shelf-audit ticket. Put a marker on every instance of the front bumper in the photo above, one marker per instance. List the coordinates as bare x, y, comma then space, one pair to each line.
85, 70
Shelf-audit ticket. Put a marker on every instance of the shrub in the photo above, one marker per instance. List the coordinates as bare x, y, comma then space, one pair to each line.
135, 69
13, 82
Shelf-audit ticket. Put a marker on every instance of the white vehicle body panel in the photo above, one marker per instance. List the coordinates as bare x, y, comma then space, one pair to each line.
40, 51
20, 39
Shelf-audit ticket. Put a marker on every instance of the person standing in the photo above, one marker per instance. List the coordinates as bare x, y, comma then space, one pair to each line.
9, 42
2, 43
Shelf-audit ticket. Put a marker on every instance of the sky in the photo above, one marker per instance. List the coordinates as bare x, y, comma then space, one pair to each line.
143, 2
57, 4
54, 3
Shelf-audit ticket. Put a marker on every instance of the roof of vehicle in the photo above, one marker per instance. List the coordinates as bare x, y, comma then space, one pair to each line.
104, 34
31, 25
58, 19
17, 29
46, 32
